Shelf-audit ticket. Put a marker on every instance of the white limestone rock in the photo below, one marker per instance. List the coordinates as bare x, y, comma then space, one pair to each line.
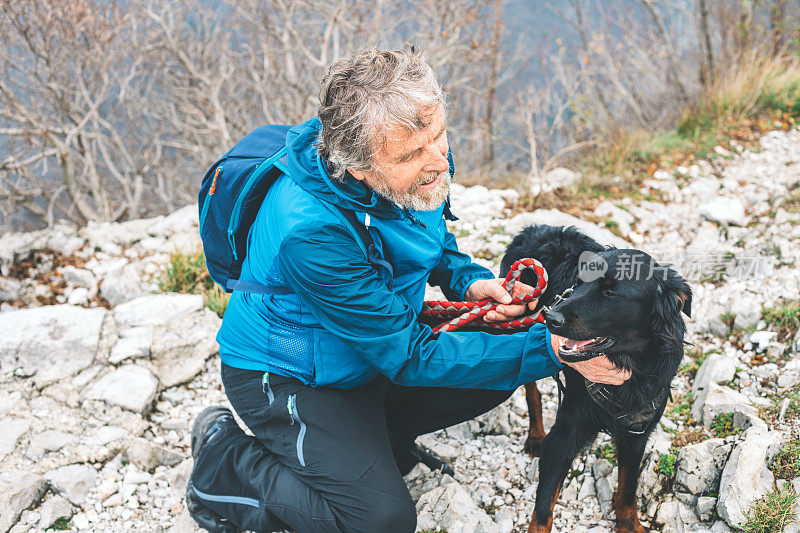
79, 277
451, 508
53, 509
19, 490
129, 386
762, 339
561, 177
716, 368
185, 219
148, 455
78, 296
675, 517
605, 481
554, 217
124, 286
724, 211
156, 309
745, 477
73, 481
48, 441
13, 428
14, 246
119, 233
700, 466
623, 219
50, 343
182, 345
132, 343
705, 507
716, 400
104, 435
747, 309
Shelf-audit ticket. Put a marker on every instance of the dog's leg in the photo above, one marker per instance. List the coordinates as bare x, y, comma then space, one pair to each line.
559, 448
536, 434
629, 457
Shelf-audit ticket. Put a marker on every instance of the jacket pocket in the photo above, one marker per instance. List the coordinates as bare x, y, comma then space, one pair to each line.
267, 389
291, 405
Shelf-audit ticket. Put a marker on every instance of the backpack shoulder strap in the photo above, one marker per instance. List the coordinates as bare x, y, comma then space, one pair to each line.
364, 236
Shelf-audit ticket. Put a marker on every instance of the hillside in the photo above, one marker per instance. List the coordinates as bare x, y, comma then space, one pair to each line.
101, 378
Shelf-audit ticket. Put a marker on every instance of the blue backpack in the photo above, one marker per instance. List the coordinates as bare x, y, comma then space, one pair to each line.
230, 196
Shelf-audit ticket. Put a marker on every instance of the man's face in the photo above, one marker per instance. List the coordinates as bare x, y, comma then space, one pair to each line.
411, 168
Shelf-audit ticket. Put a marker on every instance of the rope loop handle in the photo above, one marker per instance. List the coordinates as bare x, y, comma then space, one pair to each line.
466, 312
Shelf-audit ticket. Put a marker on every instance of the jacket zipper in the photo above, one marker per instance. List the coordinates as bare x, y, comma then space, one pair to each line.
293, 414
236, 212
414, 219
266, 388
207, 201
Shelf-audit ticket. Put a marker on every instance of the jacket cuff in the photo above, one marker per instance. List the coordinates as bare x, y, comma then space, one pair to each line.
463, 285
550, 351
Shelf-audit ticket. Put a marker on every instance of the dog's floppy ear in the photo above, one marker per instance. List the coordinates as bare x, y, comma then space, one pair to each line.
673, 290
673, 296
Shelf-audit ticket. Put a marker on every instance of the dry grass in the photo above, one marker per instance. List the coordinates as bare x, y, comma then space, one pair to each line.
756, 96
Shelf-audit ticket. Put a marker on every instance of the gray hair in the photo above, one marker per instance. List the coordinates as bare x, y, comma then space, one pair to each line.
364, 93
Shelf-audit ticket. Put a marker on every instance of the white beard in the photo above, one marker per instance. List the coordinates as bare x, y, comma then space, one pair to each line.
414, 198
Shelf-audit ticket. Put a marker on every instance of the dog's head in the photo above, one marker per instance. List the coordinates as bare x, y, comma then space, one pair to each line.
624, 305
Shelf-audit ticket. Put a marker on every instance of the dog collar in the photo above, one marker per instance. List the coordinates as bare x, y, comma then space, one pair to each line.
634, 420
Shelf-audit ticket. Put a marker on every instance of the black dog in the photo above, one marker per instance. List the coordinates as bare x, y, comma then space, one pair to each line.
631, 312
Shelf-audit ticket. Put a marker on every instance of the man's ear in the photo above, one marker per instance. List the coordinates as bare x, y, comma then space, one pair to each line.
360, 175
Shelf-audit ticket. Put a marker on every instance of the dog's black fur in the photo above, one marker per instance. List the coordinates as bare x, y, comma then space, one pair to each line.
642, 315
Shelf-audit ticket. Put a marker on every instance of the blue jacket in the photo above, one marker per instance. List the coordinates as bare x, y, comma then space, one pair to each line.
339, 324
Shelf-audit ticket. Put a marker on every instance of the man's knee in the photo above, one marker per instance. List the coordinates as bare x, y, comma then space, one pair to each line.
385, 513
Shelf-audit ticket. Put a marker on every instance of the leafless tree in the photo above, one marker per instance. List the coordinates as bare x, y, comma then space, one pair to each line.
111, 112
72, 111
115, 110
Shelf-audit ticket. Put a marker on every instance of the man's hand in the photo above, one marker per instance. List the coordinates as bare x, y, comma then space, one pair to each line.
599, 369
492, 288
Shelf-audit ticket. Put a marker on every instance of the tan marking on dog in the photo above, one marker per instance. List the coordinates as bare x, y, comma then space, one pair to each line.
627, 514
534, 399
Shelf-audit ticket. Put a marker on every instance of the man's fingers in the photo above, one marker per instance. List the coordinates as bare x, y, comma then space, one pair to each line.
498, 293
510, 310
602, 370
521, 288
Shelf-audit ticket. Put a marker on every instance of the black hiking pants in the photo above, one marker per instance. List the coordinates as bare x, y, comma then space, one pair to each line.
324, 459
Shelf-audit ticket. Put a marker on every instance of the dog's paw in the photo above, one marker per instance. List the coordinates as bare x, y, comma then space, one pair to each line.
533, 447
637, 529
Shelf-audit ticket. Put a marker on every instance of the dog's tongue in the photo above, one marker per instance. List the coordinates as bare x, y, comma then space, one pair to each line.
577, 345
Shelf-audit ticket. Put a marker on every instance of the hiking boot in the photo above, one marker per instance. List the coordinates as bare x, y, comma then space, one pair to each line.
207, 424
431, 460
205, 517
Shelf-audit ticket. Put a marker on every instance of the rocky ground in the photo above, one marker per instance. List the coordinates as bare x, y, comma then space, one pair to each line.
101, 378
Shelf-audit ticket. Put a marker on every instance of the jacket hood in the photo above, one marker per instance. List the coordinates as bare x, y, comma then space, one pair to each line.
308, 170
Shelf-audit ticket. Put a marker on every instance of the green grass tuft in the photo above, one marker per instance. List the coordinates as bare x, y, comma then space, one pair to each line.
722, 426
667, 463
786, 464
785, 318
187, 274
607, 452
680, 409
772, 411
61, 524
772, 513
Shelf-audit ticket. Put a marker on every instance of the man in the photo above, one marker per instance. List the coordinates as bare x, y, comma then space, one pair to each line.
333, 374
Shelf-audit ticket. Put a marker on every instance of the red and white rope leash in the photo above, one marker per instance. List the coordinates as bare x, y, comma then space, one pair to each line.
466, 312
